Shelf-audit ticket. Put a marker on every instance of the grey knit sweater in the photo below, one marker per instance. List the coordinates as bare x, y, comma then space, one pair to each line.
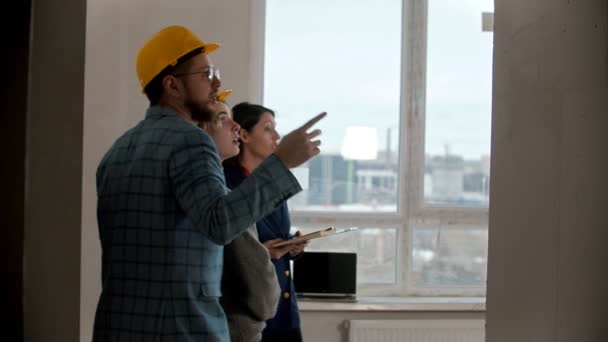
250, 290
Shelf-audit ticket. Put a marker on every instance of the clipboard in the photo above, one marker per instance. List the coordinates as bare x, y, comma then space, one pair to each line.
329, 231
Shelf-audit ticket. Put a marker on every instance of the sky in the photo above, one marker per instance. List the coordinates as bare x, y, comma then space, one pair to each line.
344, 57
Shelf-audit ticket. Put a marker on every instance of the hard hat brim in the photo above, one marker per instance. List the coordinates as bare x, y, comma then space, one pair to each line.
210, 47
223, 95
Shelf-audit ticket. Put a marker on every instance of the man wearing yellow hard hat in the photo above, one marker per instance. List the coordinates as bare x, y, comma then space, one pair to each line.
164, 212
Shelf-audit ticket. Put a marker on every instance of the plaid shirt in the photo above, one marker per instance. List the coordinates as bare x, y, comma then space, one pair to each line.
164, 214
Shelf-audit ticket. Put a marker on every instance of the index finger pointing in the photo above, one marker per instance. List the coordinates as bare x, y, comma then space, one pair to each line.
313, 121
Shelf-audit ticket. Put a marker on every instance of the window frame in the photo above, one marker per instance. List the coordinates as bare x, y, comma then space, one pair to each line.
411, 207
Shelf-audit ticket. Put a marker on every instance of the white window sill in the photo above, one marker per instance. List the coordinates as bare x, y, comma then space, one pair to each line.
470, 304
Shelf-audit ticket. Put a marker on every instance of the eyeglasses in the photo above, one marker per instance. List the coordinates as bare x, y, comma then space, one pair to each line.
212, 72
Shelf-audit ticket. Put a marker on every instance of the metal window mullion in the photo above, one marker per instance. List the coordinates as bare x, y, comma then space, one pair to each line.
360, 219
413, 114
452, 216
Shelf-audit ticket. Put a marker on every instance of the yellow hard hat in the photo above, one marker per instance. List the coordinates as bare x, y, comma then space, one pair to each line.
223, 95
164, 49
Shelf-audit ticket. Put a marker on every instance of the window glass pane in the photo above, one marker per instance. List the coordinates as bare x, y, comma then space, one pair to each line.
376, 250
449, 256
343, 57
458, 103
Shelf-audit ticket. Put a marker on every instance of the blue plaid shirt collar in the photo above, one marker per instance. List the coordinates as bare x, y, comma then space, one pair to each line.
159, 111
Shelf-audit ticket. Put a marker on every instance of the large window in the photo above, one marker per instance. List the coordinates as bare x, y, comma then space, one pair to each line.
405, 154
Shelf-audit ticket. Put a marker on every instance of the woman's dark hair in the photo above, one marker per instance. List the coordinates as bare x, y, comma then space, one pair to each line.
154, 89
247, 115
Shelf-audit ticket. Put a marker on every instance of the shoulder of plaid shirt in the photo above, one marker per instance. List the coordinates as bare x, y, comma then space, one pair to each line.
164, 215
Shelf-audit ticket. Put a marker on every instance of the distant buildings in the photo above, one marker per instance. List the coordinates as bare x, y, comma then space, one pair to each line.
455, 256
335, 183
449, 179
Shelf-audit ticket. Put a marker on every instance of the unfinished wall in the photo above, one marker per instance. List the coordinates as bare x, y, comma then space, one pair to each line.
547, 271
53, 171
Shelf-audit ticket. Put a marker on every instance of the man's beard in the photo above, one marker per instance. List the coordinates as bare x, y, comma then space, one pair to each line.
199, 112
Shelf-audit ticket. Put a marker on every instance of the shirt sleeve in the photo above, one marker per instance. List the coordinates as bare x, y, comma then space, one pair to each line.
198, 180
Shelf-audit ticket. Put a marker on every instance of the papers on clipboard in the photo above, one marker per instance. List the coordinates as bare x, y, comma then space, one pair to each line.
330, 231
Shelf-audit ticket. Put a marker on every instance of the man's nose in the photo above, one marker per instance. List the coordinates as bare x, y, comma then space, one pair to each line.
216, 83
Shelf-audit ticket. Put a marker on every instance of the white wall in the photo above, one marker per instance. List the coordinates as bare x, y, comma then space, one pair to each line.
548, 235
330, 326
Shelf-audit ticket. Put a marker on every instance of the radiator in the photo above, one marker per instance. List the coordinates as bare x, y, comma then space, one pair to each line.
437, 330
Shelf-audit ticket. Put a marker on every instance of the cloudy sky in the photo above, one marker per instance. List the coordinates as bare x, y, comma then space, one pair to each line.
344, 57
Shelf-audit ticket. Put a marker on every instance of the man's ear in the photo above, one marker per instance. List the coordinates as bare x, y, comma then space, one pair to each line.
171, 85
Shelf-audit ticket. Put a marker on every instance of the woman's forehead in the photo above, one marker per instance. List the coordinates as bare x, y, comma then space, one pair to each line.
267, 117
222, 108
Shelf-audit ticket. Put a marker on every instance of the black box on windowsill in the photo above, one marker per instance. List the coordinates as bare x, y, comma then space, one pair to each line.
326, 275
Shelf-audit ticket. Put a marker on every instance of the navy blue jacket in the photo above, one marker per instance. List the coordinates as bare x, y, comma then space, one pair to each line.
275, 225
